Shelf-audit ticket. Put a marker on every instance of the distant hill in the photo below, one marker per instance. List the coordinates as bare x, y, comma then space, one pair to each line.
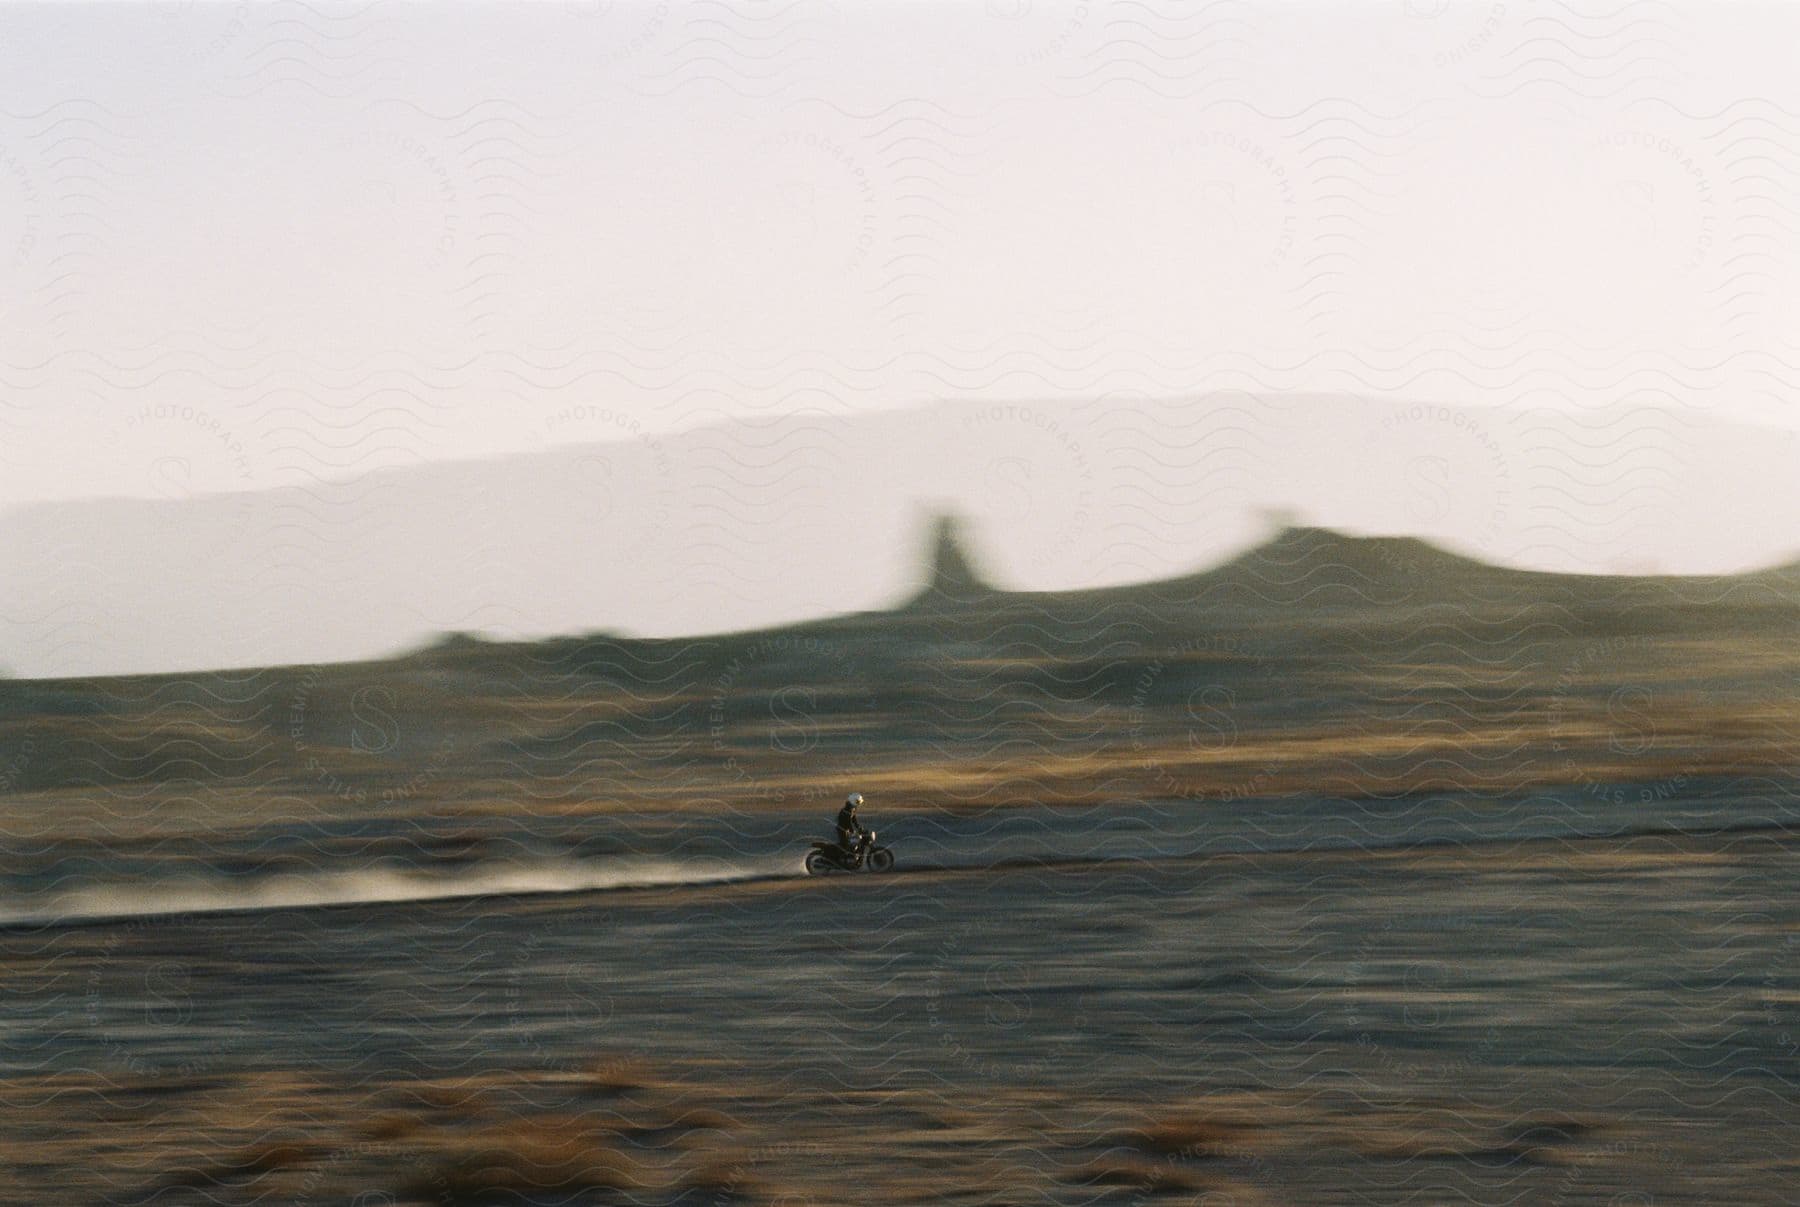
752, 524
1315, 661
1302, 568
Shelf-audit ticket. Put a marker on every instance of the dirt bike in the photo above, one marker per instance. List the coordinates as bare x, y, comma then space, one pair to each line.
863, 856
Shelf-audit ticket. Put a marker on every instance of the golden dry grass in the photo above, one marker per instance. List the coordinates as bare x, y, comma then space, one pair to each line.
540, 1156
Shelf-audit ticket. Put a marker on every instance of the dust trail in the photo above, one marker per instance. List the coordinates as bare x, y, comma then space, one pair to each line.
377, 885
939, 855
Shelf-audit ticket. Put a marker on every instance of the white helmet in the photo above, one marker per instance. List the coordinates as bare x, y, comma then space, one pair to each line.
853, 801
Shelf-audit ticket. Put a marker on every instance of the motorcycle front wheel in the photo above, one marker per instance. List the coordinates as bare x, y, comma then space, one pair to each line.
817, 863
881, 859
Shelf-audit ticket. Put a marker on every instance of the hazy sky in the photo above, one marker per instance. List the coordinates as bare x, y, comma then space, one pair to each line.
246, 245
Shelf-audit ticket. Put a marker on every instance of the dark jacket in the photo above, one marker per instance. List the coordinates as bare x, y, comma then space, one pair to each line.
848, 829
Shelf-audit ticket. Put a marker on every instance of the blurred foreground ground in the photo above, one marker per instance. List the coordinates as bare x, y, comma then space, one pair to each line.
1593, 1021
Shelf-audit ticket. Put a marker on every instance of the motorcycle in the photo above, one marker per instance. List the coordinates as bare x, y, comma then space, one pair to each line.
865, 856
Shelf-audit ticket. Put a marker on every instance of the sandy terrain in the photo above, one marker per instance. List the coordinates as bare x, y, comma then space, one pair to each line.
1346, 873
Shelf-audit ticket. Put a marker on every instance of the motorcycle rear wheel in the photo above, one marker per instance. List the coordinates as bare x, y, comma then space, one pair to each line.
818, 863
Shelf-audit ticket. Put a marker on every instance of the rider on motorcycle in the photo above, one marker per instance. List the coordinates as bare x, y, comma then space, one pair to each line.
854, 850
849, 831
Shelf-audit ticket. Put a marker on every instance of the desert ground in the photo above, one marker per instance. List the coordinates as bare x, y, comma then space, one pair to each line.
1346, 873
